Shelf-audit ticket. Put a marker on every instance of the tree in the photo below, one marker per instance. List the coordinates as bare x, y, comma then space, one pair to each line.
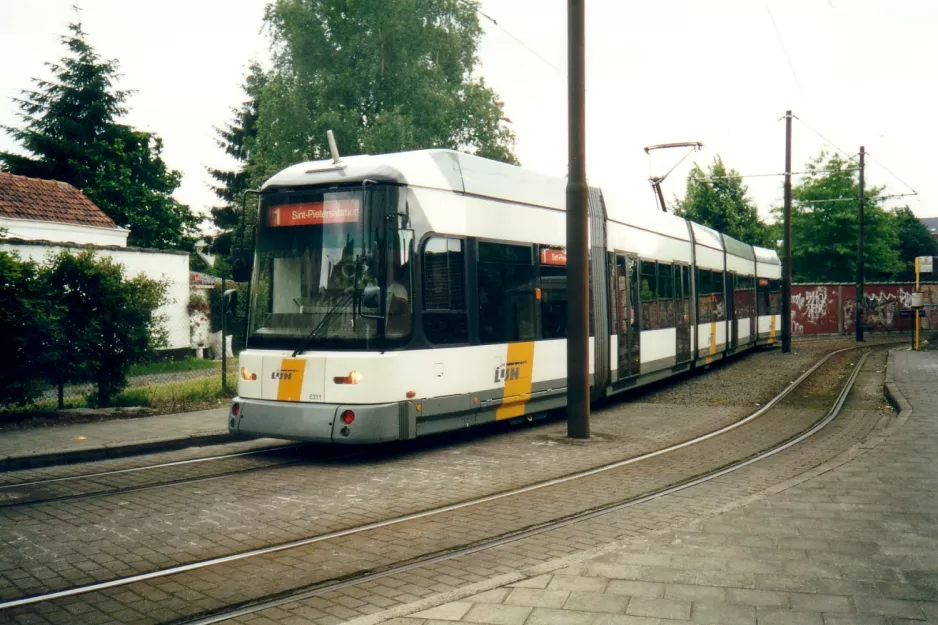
71, 133
236, 138
824, 226
385, 77
108, 321
26, 325
718, 199
914, 240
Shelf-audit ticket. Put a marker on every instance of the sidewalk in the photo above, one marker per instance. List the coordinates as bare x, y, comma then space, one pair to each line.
854, 540
84, 442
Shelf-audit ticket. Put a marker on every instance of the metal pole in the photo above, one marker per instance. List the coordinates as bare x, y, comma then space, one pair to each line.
915, 310
786, 263
578, 383
224, 350
860, 251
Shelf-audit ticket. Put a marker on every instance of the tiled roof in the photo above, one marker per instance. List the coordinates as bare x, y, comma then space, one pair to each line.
931, 223
48, 200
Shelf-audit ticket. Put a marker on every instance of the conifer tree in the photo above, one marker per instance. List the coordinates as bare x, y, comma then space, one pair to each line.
71, 132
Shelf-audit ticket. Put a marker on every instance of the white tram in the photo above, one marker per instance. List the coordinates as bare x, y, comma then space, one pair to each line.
399, 295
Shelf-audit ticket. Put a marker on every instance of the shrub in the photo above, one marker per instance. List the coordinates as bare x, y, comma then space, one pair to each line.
107, 322
26, 326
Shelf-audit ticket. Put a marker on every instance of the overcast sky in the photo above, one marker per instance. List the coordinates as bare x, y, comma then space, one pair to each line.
861, 72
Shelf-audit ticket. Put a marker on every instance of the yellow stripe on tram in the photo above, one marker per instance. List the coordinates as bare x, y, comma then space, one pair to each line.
291, 379
772, 330
519, 369
713, 341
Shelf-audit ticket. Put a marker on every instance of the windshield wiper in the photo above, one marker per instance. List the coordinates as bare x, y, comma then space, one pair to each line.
345, 301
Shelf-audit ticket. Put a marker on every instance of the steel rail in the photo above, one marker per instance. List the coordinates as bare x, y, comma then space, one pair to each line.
123, 581
148, 467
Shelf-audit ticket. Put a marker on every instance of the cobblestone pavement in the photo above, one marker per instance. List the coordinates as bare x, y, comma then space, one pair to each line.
64, 544
853, 540
167, 599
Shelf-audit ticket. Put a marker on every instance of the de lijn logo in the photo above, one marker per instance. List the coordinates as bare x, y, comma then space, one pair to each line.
282, 374
509, 371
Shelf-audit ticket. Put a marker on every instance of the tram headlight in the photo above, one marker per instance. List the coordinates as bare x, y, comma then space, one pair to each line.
247, 375
353, 377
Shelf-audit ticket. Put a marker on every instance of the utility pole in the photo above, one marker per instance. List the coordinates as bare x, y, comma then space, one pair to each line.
860, 297
578, 381
786, 263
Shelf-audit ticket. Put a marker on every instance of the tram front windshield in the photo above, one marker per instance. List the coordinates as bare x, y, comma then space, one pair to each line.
315, 255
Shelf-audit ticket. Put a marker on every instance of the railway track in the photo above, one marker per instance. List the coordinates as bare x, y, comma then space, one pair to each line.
101, 483
138, 478
360, 576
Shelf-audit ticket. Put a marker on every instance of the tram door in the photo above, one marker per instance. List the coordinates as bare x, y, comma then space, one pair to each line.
730, 299
627, 311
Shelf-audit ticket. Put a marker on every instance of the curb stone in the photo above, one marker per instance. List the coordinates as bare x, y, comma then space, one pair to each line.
35, 461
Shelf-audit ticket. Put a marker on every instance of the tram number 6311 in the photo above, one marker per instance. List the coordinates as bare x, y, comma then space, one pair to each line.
315, 397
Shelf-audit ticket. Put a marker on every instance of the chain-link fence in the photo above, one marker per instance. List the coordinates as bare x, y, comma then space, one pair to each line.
199, 376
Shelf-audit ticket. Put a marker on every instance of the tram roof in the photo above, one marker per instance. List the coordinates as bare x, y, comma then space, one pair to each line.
447, 170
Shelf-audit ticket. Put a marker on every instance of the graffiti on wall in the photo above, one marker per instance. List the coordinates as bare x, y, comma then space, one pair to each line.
832, 309
813, 309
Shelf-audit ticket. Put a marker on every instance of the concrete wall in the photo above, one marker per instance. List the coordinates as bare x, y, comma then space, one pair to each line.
156, 264
832, 308
56, 232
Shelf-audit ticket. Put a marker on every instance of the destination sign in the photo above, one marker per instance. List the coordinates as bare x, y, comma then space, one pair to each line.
553, 257
314, 213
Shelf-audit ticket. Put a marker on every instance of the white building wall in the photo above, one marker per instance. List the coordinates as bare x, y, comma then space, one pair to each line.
56, 232
172, 267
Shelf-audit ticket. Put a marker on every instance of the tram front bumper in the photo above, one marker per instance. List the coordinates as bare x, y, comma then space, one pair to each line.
320, 423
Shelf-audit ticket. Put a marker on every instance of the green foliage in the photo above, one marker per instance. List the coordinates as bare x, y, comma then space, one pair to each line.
385, 77
718, 199
824, 226
236, 138
71, 133
25, 328
914, 240
108, 322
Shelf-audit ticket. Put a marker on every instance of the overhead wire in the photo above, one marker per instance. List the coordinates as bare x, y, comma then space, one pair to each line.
794, 173
478, 8
781, 42
825, 139
890, 172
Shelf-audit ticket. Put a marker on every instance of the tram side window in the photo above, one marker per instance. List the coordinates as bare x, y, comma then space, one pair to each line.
445, 318
649, 295
775, 297
744, 297
506, 293
770, 297
665, 296
682, 295
719, 308
704, 289
710, 306
553, 302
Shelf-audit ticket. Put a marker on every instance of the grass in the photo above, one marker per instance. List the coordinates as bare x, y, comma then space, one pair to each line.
172, 366
177, 396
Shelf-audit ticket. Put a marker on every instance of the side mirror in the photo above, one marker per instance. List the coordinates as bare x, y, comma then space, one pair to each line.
230, 298
241, 265
371, 296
